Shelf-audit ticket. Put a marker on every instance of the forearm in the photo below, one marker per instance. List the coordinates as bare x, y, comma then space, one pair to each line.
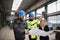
57, 30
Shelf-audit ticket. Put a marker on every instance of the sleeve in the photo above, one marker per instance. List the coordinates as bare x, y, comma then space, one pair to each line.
26, 25
38, 25
47, 28
37, 20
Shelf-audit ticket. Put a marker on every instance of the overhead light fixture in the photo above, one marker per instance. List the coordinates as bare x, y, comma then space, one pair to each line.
12, 13
16, 4
11, 21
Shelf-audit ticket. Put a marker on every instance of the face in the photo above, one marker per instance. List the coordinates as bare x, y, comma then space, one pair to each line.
42, 23
31, 18
21, 17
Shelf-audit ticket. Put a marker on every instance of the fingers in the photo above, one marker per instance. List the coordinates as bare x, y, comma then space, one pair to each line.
26, 33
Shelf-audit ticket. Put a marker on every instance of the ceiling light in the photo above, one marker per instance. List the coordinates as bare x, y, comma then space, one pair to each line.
16, 4
12, 13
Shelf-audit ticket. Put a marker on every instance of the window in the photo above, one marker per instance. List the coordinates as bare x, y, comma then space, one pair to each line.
53, 7
52, 19
58, 5
39, 11
58, 19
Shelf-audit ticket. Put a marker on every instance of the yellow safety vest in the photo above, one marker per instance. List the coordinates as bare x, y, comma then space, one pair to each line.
32, 24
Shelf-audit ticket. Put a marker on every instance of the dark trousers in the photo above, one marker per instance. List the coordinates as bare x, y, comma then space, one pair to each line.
58, 36
18, 39
42, 38
31, 38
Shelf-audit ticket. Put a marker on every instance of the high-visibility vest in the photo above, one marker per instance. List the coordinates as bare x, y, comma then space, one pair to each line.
32, 24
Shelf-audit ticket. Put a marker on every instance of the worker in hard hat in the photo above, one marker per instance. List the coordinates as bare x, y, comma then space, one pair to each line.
19, 26
32, 23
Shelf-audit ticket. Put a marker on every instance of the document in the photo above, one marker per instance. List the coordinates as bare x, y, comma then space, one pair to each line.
38, 32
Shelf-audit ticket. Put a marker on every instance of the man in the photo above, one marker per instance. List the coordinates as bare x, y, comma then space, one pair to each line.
32, 23
19, 26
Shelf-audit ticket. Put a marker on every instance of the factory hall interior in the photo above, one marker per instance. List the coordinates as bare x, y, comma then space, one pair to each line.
29, 19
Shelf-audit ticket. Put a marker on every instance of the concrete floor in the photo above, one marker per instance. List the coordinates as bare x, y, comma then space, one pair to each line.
7, 34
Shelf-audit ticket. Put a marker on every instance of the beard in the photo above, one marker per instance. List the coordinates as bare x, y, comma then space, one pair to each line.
30, 19
21, 19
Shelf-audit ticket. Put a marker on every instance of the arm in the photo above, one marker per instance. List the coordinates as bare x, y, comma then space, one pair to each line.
56, 30
26, 29
15, 27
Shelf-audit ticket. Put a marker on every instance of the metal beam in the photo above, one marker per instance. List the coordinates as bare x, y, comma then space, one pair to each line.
54, 14
36, 5
39, 4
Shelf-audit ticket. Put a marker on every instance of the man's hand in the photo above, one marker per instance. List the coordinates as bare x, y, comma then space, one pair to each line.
40, 17
26, 32
52, 32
